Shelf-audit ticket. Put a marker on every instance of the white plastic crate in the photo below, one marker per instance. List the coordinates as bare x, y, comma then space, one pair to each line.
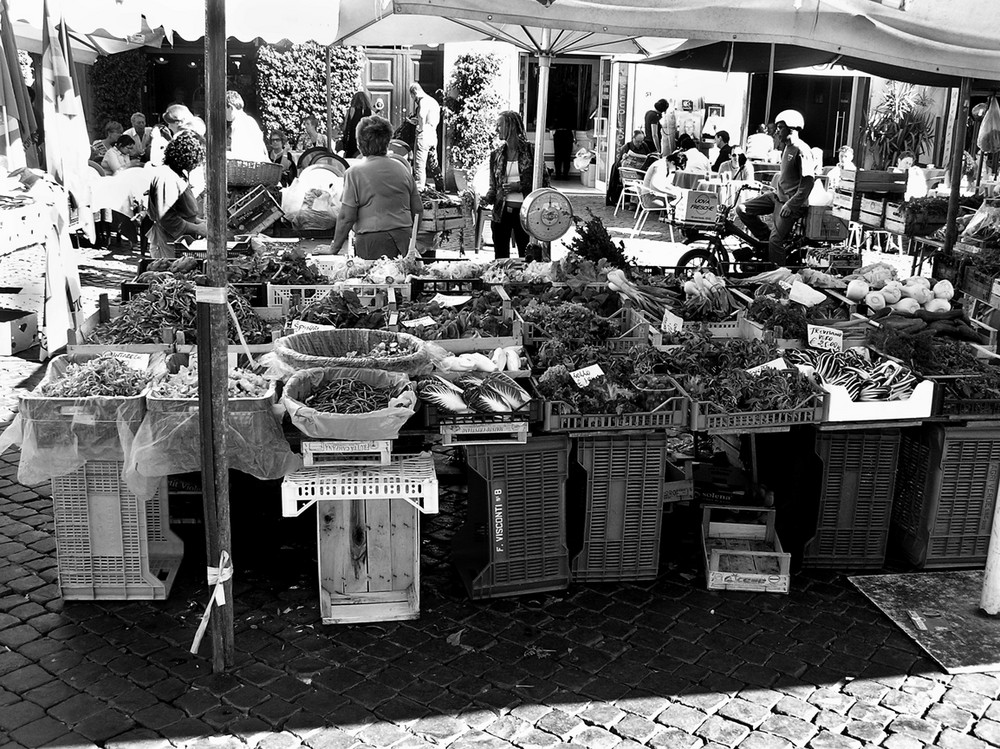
496, 433
409, 477
288, 296
345, 452
109, 544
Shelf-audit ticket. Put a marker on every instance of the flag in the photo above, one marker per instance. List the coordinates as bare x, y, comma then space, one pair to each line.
11, 147
24, 112
67, 144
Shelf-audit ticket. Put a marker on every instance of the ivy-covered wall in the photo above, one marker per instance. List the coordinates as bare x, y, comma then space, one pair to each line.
118, 82
292, 84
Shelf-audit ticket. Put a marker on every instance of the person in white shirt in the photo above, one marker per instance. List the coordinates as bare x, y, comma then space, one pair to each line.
916, 180
845, 162
121, 155
141, 134
426, 116
759, 144
696, 161
247, 141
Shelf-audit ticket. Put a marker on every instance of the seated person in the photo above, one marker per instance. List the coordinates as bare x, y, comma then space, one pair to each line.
737, 167
121, 155
112, 132
845, 161
759, 144
634, 154
695, 160
660, 175
916, 180
722, 143
280, 152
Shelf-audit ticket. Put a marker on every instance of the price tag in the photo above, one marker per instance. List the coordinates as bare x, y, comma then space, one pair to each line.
582, 377
778, 363
139, 362
822, 337
420, 322
210, 294
301, 326
671, 323
787, 283
449, 300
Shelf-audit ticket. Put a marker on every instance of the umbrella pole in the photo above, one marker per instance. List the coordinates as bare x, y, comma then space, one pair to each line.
544, 64
329, 102
957, 151
213, 345
770, 86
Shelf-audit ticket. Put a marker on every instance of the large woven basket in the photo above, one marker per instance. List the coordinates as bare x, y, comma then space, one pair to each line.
240, 173
329, 348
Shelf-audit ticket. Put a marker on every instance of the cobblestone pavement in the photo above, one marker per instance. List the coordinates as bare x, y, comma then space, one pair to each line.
663, 664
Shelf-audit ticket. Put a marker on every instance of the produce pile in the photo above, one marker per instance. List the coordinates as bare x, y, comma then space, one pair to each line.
481, 316
650, 299
600, 300
773, 308
864, 380
619, 390
380, 271
170, 304
341, 309
574, 334
493, 393
183, 384
592, 242
985, 224
382, 350
503, 358
106, 376
349, 396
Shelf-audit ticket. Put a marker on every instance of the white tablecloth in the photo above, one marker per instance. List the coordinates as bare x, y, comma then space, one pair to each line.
120, 191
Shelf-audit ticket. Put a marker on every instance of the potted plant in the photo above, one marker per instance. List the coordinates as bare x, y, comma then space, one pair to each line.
472, 104
900, 122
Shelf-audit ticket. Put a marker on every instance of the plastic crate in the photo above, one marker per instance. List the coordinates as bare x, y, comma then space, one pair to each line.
288, 296
110, 545
707, 416
513, 540
951, 405
241, 173
431, 285
483, 428
409, 477
616, 504
946, 489
317, 453
855, 502
368, 556
976, 284
254, 212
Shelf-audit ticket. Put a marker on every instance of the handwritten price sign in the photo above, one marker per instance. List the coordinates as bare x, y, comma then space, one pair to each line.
582, 377
822, 337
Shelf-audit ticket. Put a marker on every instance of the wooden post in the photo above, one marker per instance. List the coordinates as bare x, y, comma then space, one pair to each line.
329, 102
213, 336
990, 599
957, 151
544, 64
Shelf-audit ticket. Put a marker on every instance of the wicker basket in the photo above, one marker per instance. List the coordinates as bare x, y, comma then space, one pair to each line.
328, 348
241, 173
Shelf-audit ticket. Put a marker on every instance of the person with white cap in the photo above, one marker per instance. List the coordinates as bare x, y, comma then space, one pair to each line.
792, 184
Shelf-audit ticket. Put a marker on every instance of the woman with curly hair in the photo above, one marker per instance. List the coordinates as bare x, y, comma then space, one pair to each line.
172, 206
512, 166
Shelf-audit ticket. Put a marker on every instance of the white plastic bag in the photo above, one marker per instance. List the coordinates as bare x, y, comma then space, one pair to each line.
312, 201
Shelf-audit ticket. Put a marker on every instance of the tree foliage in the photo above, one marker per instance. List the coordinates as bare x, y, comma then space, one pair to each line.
291, 84
472, 105
118, 82
900, 122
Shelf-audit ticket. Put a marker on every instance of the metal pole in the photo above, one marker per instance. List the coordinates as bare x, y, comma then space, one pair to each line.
544, 63
770, 86
329, 101
213, 336
990, 599
957, 151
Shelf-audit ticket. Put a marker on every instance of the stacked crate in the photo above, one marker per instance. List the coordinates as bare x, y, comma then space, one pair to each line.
861, 195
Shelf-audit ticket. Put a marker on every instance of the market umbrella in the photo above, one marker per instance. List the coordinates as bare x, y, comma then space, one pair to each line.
67, 150
11, 145
21, 104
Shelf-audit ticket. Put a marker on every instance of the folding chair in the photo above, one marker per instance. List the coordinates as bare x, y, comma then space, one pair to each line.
632, 180
651, 201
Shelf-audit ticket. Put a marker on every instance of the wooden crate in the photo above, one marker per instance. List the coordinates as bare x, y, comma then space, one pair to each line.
743, 555
871, 211
369, 560
822, 224
870, 180
846, 205
899, 220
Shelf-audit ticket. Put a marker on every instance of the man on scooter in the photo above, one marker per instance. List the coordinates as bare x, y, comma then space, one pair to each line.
792, 184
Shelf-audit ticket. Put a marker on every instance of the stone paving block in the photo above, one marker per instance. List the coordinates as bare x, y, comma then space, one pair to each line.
764, 697
636, 728
674, 738
25, 678
158, 716
831, 699
987, 730
603, 715
759, 740
744, 712
40, 732
951, 739
18, 714
924, 730
950, 716
648, 706
508, 727
480, 740
105, 724
76, 709
143, 737
559, 723
722, 731
382, 734
865, 690
330, 737
796, 708
864, 730
531, 713
906, 703
986, 684
596, 738
974, 702
282, 740
871, 714
704, 701
51, 693
685, 718
536, 738
830, 721
440, 728
903, 741
793, 729
930, 688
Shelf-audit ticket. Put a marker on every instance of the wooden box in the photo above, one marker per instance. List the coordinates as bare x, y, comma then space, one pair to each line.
846, 205
18, 331
822, 224
870, 180
871, 212
369, 560
743, 555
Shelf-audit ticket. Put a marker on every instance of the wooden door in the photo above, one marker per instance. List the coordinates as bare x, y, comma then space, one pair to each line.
387, 78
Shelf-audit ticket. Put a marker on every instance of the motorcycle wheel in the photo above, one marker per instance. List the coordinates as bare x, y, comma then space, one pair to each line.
699, 259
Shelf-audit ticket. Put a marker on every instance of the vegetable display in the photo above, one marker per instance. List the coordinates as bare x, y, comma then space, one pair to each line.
593, 242
481, 316
106, 375
653, 300
503, 358
381, 350
242, 383
170, 304
864, 380
350, 396
492, 393
341, 309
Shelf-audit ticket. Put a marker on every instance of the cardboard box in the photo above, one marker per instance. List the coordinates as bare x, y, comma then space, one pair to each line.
697, 207
18, 331
742, 555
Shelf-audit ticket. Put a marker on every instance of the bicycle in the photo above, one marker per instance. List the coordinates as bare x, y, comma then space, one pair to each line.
749, 253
